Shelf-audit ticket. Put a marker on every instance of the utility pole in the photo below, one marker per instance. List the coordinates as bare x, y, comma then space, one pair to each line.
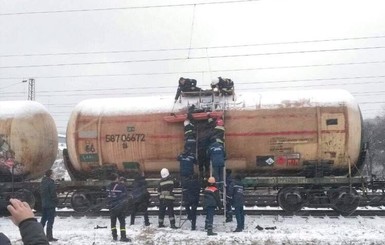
31, 88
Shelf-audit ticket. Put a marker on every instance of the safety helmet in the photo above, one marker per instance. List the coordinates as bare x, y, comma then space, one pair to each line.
164, 172
220, 122
211, 180
215, 81
186, 122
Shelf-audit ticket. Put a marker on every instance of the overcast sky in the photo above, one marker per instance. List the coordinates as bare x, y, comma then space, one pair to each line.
77, 50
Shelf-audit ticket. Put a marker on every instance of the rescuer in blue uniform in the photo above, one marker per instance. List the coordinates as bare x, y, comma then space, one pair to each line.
49, 201
211, 201
191, 190
217, 157
166, 198
140, 199
187, 160
238, 203
117, 199
219, 131
229, 195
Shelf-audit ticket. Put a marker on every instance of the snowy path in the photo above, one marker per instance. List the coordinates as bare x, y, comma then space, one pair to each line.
290, 230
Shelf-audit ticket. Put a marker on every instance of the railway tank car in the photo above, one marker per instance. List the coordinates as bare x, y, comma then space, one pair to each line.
306, 145
28, 147
28, 140
301, 133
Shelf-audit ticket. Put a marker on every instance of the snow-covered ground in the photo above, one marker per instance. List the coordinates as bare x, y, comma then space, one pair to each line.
289, 230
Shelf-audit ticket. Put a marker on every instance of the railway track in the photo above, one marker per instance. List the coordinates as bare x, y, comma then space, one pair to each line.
369, 212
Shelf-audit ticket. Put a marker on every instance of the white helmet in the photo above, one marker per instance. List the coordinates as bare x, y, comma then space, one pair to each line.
186, 122
215, 81
164, 172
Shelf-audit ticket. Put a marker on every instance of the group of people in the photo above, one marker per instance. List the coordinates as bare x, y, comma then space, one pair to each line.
224, 86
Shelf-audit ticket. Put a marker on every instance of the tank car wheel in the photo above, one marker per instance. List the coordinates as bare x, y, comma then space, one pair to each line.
344, 200
290, 199
25, 196
81, 201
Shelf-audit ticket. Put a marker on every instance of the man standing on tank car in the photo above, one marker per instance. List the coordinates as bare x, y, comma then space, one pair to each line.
117, 199
166, 198
49, 202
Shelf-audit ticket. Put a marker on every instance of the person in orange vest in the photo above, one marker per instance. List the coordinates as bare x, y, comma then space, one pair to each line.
211, 201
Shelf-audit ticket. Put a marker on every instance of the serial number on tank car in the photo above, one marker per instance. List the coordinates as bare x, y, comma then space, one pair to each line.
125, 138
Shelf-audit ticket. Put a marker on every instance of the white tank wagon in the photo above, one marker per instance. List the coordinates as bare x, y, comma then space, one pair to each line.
28, 140
291, 133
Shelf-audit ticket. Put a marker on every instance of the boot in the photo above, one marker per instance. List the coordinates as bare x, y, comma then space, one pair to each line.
193, 225
132, 219
146, 220
161, 225
49, 235
173, 225
123, 237
211, 233
114, 234
237, 230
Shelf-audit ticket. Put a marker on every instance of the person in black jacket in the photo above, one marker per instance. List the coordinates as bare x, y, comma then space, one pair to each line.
140, 198
186, 85
32, 232
117, 198
238, 202
166, 198
191, 191
211, 201
225, 86
49, 201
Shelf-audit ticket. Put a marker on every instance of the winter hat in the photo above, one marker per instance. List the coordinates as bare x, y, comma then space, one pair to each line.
164, 172
211, 180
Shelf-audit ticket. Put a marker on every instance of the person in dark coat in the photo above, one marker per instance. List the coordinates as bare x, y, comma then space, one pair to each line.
229, 195
186, 85
166, 198
117, 200
211, 201
238, 203
217, 157
187, 160
140, 198
191, 191
225, 86
31, 231
49, 201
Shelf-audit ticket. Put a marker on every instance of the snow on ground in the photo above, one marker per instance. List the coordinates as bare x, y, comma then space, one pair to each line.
289, 230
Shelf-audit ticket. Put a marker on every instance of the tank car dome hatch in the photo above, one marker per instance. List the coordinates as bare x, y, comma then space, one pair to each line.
28, 140
269, 133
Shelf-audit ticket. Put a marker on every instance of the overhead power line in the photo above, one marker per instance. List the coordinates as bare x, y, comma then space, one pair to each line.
192, 48
125, 8
183, 58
